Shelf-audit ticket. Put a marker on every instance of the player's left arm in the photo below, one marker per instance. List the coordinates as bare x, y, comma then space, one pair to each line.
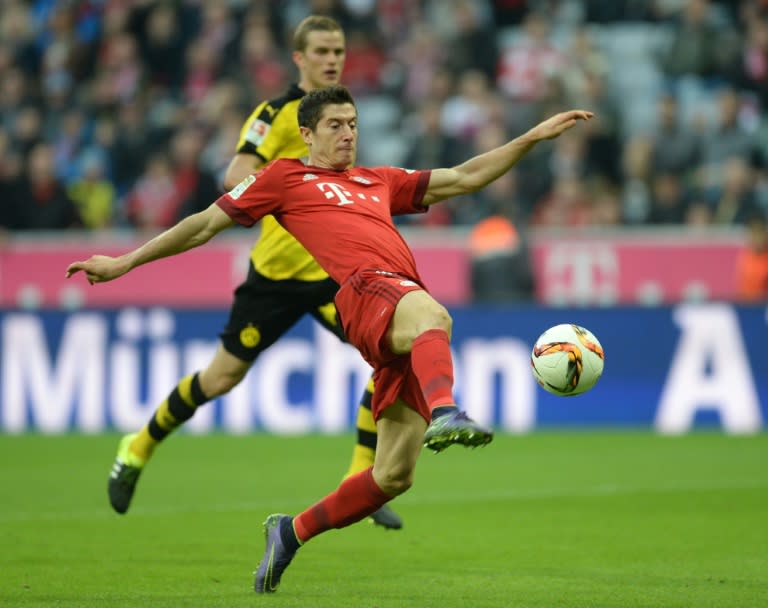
192, 231
481, 170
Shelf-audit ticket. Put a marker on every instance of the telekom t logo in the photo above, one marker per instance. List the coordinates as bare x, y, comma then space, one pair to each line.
331, 190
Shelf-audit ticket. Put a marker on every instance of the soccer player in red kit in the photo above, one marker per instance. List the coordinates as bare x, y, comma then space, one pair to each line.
343, 215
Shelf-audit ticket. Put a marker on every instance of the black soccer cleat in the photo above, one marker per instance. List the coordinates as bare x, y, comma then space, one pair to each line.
455, 428
386, 518
123, 477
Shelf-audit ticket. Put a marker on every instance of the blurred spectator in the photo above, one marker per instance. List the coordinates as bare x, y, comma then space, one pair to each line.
364, 65
201, 71
38, 199
698, 214
218, 30
420, 55
93, 194
17, 36
501, 268
121, 68
131, 147
752, 263
474, 105
263, 67
430, 146
569, 156
27, 129
217, 153
606, 205
154, 201
603, 145
10, 171
668, 204
699, 47
14, 96
636, 169
195, 186
528, 62
734, 201
68, 143
472, 41
162, 46
729, 137
675, 148
583, 62
750, 69
567, 204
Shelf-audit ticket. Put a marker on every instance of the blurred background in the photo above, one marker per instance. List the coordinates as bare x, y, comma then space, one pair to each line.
648, 225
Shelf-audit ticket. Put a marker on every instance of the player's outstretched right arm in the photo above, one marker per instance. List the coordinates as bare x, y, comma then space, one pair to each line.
192, 231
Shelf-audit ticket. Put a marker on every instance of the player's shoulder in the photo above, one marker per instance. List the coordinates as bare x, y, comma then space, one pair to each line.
268, 111
282, 166
383, 172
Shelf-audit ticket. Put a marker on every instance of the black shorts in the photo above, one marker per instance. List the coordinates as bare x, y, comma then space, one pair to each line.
264, 310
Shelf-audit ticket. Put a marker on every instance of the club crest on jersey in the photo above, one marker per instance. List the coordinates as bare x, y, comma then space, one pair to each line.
257, 132
238, 190
308, 177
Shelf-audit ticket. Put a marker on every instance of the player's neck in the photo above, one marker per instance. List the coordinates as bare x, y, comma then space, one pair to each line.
306, 86
322, 163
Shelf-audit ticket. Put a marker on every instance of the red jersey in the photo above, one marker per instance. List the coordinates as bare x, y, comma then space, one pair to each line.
343, 218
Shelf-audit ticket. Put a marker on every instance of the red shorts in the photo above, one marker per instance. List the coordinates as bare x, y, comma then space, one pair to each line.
365, 304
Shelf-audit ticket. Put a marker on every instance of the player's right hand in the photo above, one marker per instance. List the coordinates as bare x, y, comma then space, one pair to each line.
557, 124
99, 268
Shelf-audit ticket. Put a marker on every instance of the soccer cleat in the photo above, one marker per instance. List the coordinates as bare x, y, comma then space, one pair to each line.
276, 557
455, 428
386, 518
124, 476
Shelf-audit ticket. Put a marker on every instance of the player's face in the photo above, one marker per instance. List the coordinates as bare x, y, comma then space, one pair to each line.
333, 143
322, 61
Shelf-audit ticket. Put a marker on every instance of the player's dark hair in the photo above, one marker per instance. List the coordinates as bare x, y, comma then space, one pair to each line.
312, 104
313, 23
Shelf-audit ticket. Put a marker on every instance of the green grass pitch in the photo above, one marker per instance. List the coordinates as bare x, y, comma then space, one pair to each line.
551, 519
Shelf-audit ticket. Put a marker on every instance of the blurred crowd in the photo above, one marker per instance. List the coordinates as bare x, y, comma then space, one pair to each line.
124, 113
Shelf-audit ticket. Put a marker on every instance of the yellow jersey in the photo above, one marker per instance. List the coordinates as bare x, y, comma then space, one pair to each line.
270, 132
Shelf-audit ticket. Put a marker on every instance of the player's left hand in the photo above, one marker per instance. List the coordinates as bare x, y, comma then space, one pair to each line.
557, 124
98, 268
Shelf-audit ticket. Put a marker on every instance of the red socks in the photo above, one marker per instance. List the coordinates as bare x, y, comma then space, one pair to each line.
356, 497
431, 362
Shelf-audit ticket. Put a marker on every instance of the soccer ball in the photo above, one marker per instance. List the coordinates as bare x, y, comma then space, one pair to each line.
567, 360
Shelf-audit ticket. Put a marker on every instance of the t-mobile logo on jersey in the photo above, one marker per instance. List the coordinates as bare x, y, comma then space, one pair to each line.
331, 190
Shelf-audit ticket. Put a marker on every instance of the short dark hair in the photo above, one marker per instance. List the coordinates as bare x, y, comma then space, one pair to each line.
313, 23
312, 104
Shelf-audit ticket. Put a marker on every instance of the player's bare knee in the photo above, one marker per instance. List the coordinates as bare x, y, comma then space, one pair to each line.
394, 481
438, 317
441, 319
395, 487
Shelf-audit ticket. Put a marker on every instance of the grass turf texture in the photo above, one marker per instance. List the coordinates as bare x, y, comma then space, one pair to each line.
581, 520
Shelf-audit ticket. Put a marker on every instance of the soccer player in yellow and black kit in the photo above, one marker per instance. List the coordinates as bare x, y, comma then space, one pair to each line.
284, 281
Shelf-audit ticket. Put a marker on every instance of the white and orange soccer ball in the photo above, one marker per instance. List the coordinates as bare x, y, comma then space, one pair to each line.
567, 360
